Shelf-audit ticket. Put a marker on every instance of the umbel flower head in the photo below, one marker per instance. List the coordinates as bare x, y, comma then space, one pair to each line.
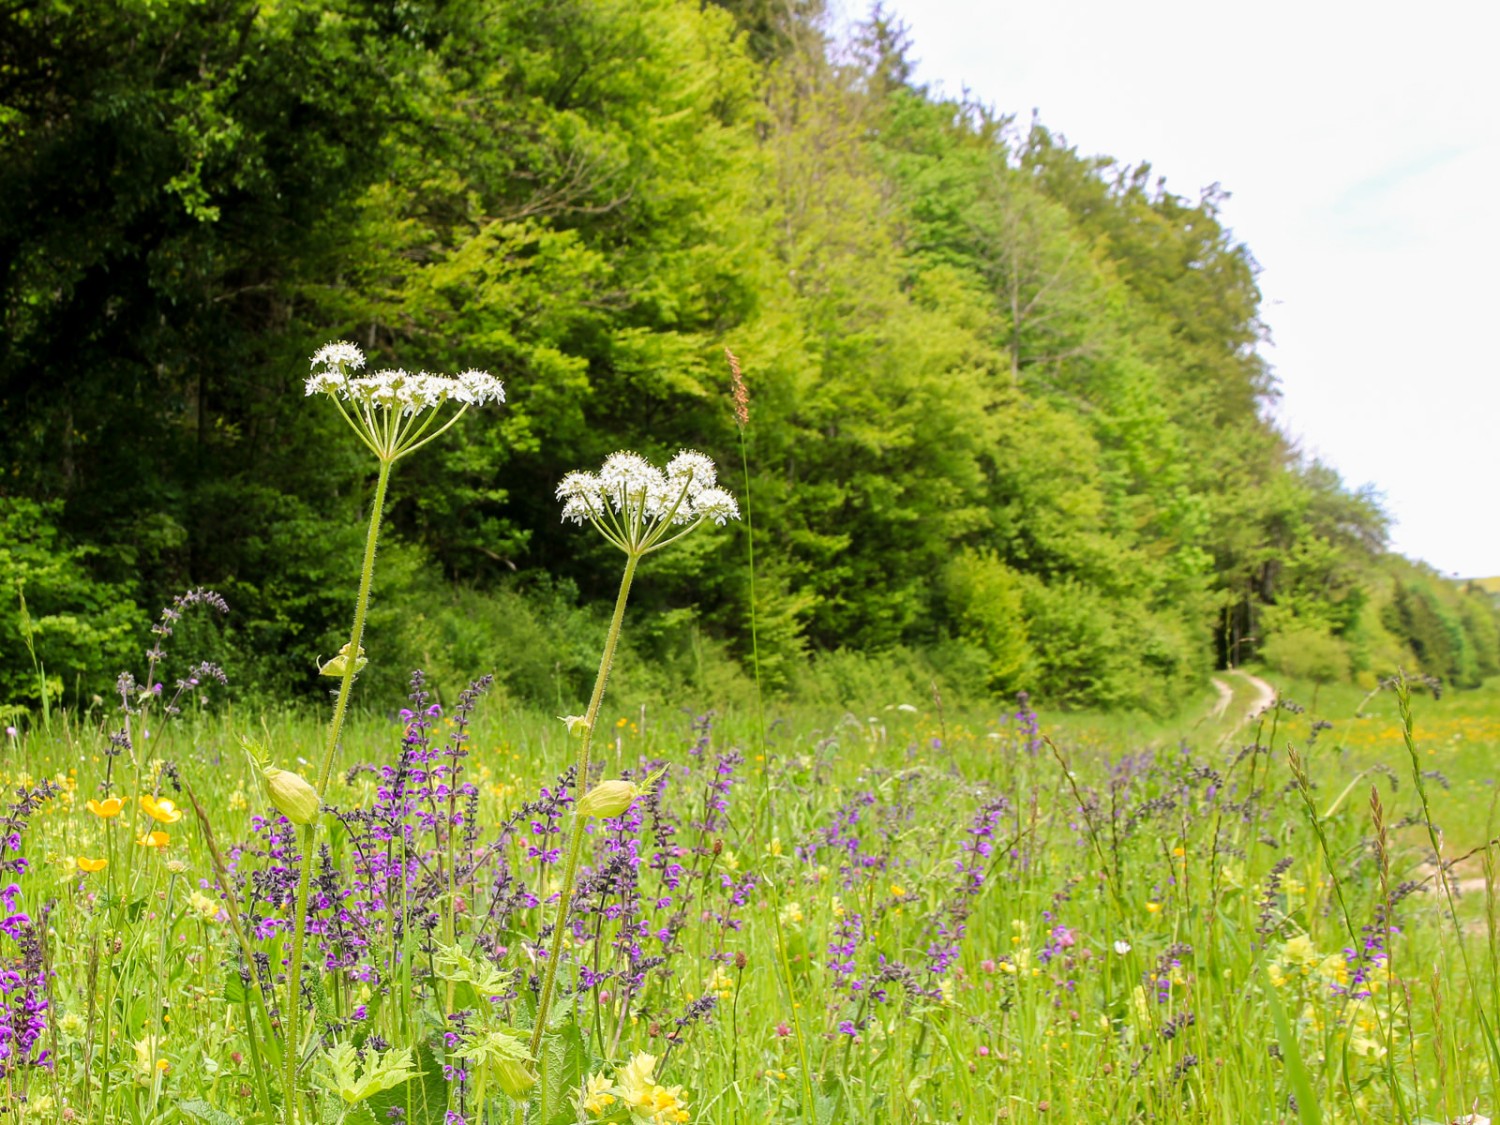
637, 506
394, 411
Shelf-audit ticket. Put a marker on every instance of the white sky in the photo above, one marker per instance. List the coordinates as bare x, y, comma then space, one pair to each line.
1360, 144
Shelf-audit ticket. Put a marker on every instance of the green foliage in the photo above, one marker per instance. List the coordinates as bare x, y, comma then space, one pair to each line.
82, 629
963, 340
985, 598
1306, 652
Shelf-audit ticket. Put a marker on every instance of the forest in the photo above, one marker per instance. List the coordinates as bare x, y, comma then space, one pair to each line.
1008, 421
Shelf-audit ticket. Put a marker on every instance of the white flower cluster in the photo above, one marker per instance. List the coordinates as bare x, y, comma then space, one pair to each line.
633, 502
395, 389
629, 484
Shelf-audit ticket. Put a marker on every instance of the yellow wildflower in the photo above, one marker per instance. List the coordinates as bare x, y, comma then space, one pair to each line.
598, 1094
205, 907
791, 914
649, 1101
163, 811
152, 840
720, 983
147, 1060
109, 807
1300, 953
91, 865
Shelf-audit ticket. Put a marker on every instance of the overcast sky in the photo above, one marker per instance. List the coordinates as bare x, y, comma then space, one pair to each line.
1361, 148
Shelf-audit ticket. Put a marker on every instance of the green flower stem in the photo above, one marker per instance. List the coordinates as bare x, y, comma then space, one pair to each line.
335, 726
575, 845
760, 704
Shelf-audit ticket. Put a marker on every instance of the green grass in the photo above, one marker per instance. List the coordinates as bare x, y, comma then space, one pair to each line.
1186, 984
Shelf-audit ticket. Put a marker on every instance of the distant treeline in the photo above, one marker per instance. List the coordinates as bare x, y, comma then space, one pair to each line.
1008, 410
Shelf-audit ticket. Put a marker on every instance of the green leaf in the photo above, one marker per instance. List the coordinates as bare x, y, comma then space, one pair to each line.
202, 1111
1307, 1105
423, 1100
234, 987
565, 1063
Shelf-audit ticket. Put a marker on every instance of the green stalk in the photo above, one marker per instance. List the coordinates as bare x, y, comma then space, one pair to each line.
575, 845
335, 726
760, 704
809, 1103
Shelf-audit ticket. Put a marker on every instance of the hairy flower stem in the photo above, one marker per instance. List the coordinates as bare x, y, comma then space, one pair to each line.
580, 785
335, 726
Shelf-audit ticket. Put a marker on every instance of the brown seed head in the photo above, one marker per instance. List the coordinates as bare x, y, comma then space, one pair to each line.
740, 391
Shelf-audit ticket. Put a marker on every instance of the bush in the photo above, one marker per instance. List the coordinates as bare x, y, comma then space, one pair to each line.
84, 631
984, 600
1302, 651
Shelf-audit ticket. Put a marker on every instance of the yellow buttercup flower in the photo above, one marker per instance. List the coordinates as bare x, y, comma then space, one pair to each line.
91, 865
152, 840
164, 811
107, 808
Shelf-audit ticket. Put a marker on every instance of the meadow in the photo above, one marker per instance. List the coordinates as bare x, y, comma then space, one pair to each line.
895, 913
442, 911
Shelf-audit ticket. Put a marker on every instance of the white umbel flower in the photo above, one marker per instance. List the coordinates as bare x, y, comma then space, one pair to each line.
387, 408
634, 504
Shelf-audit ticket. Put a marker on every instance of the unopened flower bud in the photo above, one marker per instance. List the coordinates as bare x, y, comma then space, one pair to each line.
608, 798
740, 959
289, 792
340, 663
514, 1076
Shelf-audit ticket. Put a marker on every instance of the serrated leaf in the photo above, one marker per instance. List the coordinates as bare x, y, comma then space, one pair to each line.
422, 1100
234, 987
566, 1064
202, 1111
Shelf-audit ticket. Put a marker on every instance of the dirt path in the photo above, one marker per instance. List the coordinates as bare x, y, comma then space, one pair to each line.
1226, 697
1265, 695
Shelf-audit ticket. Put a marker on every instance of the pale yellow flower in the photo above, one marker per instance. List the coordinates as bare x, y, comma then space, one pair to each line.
205, 907
598, 1094
720, 983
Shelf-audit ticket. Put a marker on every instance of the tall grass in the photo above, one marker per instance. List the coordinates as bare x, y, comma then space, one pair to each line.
961, 923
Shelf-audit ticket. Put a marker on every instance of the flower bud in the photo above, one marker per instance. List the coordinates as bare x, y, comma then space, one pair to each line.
608, 798
514, 1076
340, 663
298, 801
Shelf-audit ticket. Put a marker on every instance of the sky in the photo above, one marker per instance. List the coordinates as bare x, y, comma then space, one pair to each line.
1360, 144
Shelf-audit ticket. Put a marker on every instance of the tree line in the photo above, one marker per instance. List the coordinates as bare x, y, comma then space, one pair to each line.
1008, 408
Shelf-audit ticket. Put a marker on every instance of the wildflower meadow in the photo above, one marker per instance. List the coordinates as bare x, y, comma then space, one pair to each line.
456, 911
